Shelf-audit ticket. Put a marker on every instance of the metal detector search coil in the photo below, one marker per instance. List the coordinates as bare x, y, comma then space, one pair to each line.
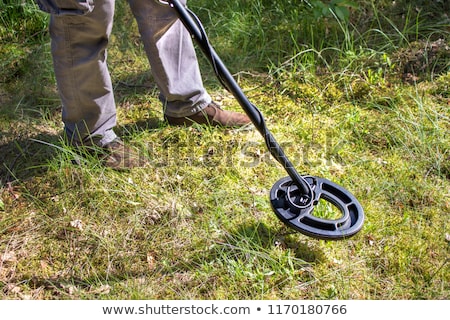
293, 198
285, 196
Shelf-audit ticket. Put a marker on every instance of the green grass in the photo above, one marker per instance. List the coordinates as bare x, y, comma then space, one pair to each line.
196, 223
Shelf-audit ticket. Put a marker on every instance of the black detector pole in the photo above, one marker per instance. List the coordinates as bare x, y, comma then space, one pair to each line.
293, 198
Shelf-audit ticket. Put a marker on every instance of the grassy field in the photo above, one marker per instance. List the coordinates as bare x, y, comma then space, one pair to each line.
358, 94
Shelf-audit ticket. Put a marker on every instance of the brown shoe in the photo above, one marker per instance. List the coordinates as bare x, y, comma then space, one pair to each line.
119, 156
115, 155
212, 115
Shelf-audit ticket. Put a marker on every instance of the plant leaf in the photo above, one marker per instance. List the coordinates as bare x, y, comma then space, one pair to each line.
342, 13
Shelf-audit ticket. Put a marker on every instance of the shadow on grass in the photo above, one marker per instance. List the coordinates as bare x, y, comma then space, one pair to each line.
24, 158
126, 131
259, 235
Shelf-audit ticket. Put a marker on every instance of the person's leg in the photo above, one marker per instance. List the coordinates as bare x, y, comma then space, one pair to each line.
175, 68
78, 45
172, 58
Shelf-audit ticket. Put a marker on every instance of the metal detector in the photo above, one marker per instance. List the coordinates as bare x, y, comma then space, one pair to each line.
293, 198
